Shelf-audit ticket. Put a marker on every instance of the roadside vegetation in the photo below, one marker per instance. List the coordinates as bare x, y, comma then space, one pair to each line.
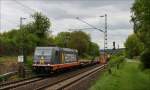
7, 59
138, 44
134, 46
128, 77
116, 60
8, 64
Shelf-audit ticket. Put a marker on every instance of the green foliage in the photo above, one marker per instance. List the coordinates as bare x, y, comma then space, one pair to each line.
141, 20
41, 24
28, 36
145, 58
29, 62
62, 39
2, 78
115, 59
8, 42
78, 40
134, 46
93, 49
127, 77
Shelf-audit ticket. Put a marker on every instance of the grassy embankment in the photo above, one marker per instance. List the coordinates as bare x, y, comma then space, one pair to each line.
7, 60
129, 76
9, 63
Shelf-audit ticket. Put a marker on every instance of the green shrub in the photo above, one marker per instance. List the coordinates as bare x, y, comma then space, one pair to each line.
2, 78
29, 62
128, 77
145, 58
115, 60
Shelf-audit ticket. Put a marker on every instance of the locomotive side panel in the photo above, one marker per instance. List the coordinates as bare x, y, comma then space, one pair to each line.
70, 55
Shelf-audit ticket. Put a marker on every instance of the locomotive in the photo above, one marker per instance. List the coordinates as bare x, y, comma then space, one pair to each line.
54, 58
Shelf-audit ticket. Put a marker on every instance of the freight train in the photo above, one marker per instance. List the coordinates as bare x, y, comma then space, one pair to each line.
50, 59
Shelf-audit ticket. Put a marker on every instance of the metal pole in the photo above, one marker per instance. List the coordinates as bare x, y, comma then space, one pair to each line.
22, 44
0, 17
21, 40
21, 64
20, 22
105, 35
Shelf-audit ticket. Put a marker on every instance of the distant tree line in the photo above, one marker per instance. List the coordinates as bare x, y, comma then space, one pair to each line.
78, 40
139, 42
35, 33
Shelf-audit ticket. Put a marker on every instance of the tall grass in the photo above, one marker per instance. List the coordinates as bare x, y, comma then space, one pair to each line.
29, 62
6, 59
128, 77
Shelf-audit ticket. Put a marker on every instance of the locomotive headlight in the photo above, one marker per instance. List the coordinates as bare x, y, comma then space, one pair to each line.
42, 60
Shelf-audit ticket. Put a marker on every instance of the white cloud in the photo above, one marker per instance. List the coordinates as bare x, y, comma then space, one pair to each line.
62, 15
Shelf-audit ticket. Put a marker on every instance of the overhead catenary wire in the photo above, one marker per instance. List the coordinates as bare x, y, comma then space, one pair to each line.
28, 9
7, 21
79, 29
104, 31
89, 24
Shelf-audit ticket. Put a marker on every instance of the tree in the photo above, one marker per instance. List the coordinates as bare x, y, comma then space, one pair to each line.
39, 27
77, 40
141, 20
28, 36
145, 58
93, 49
62, 39
41, 24
134, 46
80, 41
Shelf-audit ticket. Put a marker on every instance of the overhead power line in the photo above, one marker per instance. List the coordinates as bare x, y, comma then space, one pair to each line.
89, 24
104, 31
79, 29
26, 7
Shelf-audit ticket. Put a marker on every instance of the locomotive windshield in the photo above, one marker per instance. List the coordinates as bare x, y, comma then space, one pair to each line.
44, 51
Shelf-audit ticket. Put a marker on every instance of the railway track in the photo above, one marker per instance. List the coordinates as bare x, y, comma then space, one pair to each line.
61, 84
13, 84
40, 83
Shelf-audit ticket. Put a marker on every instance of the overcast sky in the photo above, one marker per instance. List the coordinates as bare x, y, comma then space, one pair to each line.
62, 14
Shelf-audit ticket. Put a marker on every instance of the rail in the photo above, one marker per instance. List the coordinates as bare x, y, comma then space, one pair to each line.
59, 85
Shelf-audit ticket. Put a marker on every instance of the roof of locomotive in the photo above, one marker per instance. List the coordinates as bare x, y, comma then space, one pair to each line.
69, 49
56, 48
47, 48
43, 47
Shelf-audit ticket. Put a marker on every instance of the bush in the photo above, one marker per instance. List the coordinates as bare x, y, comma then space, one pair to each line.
145, 58
115, 60
29, 62
134, 46
2, 78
